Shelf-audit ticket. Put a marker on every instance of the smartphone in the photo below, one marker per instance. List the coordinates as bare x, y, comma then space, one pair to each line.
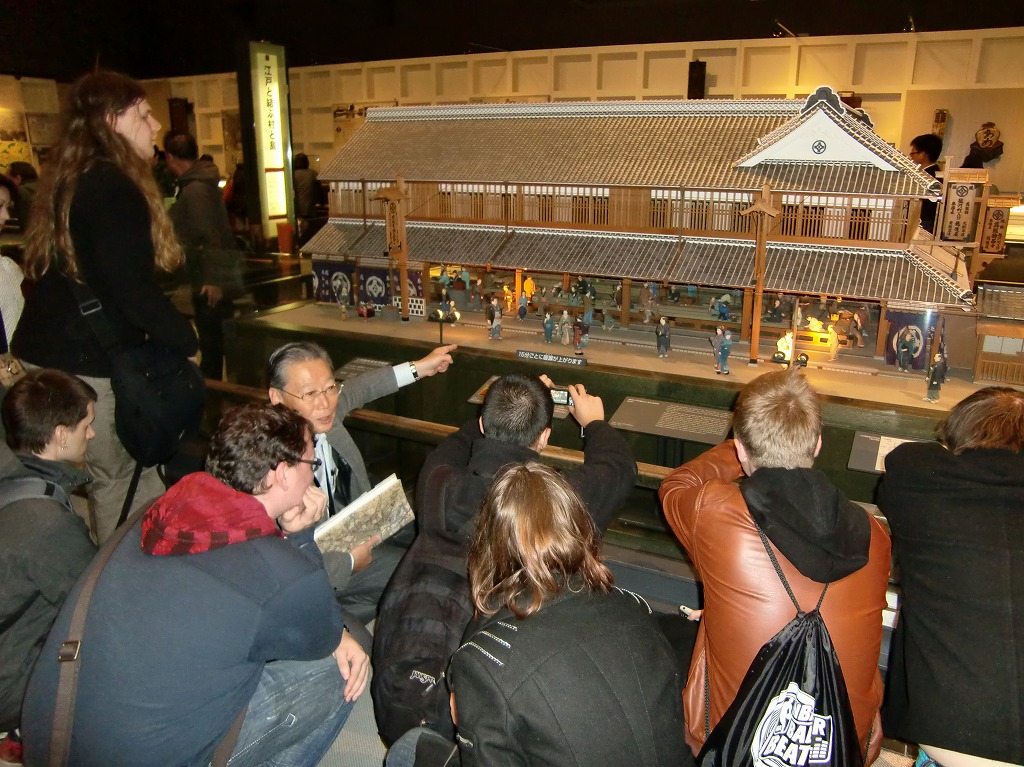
561, 396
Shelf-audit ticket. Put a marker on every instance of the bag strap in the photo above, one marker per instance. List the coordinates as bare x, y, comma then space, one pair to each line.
92, 310
67, 654
782, 577
21, 488
70, 665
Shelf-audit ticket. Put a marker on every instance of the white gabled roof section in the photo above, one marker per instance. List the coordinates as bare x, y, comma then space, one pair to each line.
817, 139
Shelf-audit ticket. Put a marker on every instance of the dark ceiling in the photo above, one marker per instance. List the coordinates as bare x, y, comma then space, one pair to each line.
61, 39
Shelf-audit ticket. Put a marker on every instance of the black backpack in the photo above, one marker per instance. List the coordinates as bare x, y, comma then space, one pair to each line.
792, 708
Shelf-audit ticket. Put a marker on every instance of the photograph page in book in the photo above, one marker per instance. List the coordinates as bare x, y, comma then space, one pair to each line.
382, 511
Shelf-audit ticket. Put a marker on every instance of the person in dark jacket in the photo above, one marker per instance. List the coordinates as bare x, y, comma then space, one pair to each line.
216, 602
555, 649
956, 511
925, 150
427, 606
212, 262
100, 219
44, 545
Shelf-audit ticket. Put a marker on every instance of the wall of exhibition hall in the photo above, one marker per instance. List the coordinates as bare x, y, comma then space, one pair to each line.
976, 76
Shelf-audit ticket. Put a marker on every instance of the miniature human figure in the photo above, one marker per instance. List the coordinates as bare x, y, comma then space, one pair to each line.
542, 302
608, 318
549, 327
798, 314
450, 313
723, 352
925, 150
785, 347
663, 334
617, 297
588, 308
476, 296
565, 327
774, 314
444, 279
529, 287
647, 302
574, 296
934, 379
556, 291
465, 277
833, 343
510, 298
674, 294
521, 314
494, 319
906, 349
716, 346
580, 334
445, 298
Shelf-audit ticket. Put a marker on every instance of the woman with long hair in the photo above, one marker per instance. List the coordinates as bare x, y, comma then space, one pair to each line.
99, 219
559, 666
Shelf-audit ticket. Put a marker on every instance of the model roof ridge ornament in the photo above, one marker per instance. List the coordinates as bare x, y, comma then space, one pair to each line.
552, 110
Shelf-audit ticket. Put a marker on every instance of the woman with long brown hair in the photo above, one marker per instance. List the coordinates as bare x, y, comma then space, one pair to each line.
559, 667
99, 219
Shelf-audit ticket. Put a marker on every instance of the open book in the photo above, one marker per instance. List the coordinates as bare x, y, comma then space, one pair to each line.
382, 511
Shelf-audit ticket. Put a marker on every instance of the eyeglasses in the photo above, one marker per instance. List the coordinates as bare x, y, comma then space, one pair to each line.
329, 392
316, 463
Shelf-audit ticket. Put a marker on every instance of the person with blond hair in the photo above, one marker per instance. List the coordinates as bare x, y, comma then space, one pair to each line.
764, 481
555, 648
955, 508
100, 220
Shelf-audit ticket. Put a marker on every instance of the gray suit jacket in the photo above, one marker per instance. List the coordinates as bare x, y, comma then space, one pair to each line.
356, 392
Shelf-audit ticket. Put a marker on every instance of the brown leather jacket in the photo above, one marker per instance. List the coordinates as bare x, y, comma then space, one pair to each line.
745, 603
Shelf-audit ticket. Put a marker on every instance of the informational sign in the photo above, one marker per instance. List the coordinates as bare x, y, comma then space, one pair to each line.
273, 138
869, 451
997, 220
961, 218
673, 419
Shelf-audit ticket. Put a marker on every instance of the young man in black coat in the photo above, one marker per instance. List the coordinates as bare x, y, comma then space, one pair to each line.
427, 606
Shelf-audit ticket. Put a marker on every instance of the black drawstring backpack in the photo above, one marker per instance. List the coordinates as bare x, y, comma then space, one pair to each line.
792, 708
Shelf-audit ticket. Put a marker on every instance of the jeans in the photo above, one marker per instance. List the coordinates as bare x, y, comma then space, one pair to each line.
294, 716
403, 752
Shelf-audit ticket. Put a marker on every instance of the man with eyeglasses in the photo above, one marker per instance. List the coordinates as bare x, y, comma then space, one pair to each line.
214, 608
925, 150
300, 376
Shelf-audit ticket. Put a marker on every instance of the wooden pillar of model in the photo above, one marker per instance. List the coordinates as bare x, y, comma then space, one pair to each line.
747, 319
393, 200
627, 286
762, 210
519, 284
883, 330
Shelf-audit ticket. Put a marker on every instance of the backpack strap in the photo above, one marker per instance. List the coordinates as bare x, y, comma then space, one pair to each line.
782, 577
16, 489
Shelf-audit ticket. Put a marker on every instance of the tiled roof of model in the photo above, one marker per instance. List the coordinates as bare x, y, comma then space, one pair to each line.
856, 273
653, 144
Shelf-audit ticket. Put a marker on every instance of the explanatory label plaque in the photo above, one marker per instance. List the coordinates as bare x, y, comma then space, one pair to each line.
869, 451
672, 419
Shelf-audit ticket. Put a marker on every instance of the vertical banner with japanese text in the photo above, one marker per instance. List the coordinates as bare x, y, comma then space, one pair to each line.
269, 82
960, 222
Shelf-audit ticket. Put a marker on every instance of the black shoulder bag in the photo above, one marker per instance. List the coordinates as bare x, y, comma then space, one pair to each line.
159, 395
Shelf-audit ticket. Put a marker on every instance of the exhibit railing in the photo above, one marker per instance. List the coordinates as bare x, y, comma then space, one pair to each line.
687, 211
